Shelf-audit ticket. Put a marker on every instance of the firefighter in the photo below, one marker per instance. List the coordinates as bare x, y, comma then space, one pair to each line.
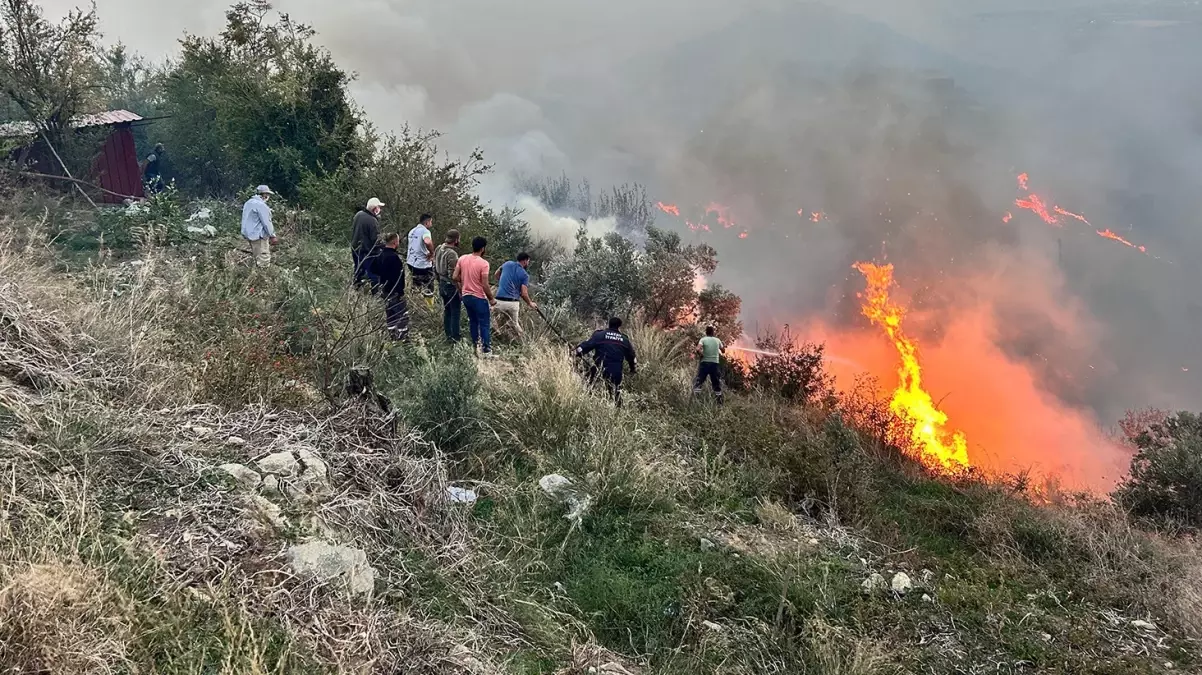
610, 348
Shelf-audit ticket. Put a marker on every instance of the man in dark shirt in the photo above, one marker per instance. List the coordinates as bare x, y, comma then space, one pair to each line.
445, 258
611, 349
390, 269
152, 173
365, 230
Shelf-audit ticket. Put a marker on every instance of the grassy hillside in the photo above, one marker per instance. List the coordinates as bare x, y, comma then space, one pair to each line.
740, 539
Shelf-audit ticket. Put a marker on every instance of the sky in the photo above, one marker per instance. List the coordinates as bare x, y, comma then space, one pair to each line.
905, 123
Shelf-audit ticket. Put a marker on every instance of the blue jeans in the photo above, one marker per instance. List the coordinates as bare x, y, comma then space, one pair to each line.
479, 320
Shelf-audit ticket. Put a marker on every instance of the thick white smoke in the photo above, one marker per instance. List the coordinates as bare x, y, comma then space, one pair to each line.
560, 229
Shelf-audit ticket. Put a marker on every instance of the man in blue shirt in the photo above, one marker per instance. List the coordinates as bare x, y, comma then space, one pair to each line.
512, 288
256, 225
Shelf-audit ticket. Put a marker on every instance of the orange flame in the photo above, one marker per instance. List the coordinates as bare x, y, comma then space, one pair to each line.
670, 209
1036, 204
1070, 214
1022, 181
742, 235
1111, 235
816, 216
937, 447
722, 213
1008, 217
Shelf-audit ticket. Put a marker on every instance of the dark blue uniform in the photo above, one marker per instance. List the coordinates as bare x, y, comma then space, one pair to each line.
610, 348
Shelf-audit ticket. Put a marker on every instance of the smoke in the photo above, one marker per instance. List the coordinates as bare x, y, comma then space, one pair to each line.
905, 122
560, 229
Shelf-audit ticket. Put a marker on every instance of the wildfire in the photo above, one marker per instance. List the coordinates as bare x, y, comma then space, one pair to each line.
938, 447
743, 235
722, 213
1008, 217
1111, 235
1037, 205
670, 209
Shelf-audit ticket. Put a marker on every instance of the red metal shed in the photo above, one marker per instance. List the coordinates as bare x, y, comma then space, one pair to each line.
115, 167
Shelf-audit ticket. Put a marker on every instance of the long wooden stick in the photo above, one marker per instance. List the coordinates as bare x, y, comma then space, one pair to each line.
64, 166
78, 182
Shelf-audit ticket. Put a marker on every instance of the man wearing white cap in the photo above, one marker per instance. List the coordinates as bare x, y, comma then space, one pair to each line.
256, 226
365, 233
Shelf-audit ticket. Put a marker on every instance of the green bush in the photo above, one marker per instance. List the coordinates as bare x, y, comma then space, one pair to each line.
1165, 483
439, 396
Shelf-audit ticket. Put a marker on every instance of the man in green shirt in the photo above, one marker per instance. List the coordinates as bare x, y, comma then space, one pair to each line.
710, 349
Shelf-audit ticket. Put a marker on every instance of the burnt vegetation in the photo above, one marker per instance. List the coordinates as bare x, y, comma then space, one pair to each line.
139, 361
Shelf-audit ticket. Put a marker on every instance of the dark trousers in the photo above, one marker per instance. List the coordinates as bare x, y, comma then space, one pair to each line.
396, 313
452, 303
479, 321
613, 381
357, 258
423, 280
708, 370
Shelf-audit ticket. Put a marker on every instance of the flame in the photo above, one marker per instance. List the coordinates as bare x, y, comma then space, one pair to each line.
742, 235
697, 227
1036, 204
1111, 235
816, 216
1022, 181
670, 209
936, 446
722, 213
1008, 217
1070, 214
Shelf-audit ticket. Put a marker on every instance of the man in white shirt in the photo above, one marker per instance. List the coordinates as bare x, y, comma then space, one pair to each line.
256, 226
420, 257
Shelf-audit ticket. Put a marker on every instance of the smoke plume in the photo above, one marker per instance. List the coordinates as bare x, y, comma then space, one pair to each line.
805, 136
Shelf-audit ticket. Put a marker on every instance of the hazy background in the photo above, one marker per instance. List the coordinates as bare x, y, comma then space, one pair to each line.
905, 122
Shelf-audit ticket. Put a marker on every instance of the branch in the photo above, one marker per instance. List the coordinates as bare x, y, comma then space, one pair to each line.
34, 174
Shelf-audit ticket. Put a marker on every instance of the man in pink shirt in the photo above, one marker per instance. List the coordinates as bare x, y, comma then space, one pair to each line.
471, 275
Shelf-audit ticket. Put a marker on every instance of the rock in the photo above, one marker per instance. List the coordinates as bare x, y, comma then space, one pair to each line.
271, 485
561, 489
268, 512
329, 562
1143, 625
874, 584
202, 432
901, 583
707, 545
312, 466
247, 478
460, 495
712, 626
813, 542
235, 440
280, 464
927, 598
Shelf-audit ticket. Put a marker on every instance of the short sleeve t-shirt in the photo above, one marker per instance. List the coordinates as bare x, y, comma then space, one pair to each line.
513, 277
711, 349
473, 271
417, 256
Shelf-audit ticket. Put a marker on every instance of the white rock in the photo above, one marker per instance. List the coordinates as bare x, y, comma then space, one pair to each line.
280, 463
927, 598
562, 490
706, 544
874, 583
1143, 625
712, 626
329, 562
246, 477
268, 512
202, 432
460, 495
271, 485
235, 440
901, 583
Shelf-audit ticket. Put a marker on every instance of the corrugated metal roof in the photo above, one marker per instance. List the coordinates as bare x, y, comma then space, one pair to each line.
102, 119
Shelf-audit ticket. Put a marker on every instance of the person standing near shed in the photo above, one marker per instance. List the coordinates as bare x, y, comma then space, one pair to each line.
256, 226
152, 170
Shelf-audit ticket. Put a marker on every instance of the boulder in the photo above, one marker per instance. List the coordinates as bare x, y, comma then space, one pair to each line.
280, 464
247, 478
901, 583
271, 485
562, 490
874, 584
329, 562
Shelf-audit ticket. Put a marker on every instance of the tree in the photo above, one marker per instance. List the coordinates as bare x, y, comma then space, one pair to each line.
1165, 482
258, 104
47, 71
792, 370
670, 273
604, 278
720, 308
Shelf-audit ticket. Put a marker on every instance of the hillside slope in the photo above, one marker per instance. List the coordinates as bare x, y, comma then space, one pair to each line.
190, 486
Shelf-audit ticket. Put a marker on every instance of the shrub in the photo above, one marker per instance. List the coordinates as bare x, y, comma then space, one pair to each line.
793, 370
1165, 483
439, 396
